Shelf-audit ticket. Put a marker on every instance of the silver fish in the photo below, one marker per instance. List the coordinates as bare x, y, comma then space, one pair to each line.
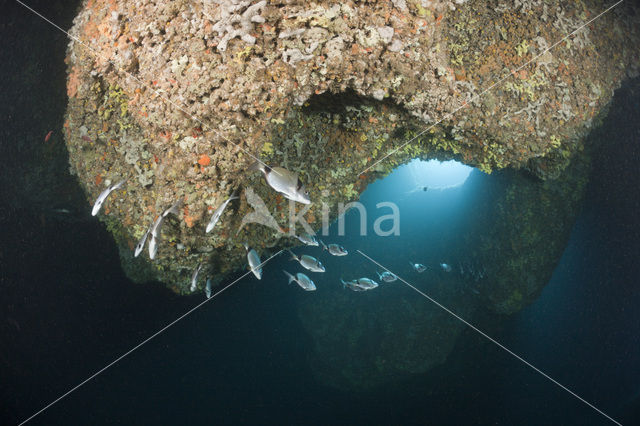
350, 285
308, 262
445, 267
61, 211
157, 225
219, 211
366, 283
419, 267
143, 240
207, 289
361, 284
103, 196
194, 278
307, 239
302, 280
387, 276
153, 242
334, 249
283, 181
254, 261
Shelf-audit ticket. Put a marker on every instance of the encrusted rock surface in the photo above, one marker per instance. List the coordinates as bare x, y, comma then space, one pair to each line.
179, 96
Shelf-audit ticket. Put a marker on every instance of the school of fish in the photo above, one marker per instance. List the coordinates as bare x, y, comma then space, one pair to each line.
289, 185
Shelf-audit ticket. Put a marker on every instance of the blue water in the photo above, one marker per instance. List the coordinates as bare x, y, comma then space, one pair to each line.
583, 328
242, 357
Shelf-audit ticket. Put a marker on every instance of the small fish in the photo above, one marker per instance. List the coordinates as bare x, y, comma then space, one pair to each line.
194, 278
207, 289
366, 283
351, 285
307, 239
419, 267
445, 267
46, 138
216, 215
387, 276
61, 211
302, 280
254, 261
283, 181
334, 249
103, 196
153, 242
143, 240
308, 262
157, 226
361, 284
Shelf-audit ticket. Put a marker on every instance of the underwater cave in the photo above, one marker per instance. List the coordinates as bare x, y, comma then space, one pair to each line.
454, 118
498, 235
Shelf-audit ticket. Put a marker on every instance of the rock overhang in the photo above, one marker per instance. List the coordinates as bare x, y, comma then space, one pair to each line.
252, 75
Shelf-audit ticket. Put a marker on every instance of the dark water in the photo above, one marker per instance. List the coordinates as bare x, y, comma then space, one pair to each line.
67, 311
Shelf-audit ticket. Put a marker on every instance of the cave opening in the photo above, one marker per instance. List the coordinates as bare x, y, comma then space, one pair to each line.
488, 244
423, 200
436, 175
435, 201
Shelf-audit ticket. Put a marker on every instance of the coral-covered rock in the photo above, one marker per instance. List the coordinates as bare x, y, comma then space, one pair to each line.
180, 97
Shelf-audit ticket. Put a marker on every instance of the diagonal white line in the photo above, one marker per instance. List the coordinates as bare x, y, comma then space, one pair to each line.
157, 92
143, 342
476, 96
518, 357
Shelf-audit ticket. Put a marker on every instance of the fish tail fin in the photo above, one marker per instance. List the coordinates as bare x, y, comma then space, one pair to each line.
379, 275
291, 277
293, 255
324, 246
234, 195
175, 208
119, 184
344, 285
257, 166
245, 245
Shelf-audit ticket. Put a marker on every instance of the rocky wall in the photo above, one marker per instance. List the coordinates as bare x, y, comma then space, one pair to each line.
179, 97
